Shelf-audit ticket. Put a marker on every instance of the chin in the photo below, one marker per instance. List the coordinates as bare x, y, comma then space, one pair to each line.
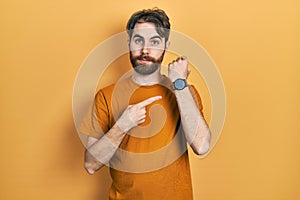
146, 69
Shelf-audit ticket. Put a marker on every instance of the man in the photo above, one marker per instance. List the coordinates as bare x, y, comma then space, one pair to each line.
140, 125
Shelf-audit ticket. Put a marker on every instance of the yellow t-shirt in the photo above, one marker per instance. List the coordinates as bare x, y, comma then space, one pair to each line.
152, 160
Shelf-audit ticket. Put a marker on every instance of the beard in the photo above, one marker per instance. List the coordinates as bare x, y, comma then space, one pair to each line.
146, 69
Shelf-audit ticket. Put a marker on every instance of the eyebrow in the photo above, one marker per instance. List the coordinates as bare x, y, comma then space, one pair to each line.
139, 36
156, 37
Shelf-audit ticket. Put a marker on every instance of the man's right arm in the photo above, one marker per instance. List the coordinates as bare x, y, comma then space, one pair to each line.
100, 151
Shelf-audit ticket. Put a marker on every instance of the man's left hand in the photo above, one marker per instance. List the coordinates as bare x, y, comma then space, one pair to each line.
178, 69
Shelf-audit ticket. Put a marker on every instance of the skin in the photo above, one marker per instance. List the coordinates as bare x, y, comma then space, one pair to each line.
146, 41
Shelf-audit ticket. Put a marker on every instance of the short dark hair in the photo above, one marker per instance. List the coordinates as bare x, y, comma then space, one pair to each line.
155, 16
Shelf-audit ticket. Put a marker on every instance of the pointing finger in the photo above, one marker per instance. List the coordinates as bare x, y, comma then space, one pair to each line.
183, 58
149, 101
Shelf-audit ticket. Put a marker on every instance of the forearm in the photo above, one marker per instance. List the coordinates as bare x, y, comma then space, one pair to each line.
99, 152
195, 127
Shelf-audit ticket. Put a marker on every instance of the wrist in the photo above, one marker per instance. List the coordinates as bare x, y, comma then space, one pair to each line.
122, 126
179, 84
174, 78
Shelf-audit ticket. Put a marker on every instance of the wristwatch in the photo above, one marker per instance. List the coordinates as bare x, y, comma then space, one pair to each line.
179, 84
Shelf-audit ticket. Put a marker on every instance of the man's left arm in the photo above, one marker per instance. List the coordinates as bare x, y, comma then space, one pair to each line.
194, 125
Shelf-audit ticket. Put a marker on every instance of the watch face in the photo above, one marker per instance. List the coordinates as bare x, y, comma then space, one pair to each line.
179, 84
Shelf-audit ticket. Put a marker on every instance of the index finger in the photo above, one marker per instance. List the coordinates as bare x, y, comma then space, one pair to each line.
149, 101
183, 58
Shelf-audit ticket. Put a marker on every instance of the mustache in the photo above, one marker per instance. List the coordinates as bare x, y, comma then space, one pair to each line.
145, 57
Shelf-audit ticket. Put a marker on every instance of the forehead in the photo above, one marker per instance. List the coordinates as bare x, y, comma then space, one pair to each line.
145, 29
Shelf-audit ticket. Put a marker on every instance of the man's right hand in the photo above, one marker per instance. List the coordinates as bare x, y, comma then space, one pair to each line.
135, 114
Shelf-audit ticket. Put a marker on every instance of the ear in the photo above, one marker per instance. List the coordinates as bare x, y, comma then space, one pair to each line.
167, 45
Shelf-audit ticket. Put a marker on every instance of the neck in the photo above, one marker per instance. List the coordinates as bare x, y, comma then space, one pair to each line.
147, 80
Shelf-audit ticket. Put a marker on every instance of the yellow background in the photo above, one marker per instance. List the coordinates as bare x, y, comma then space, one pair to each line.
254, 44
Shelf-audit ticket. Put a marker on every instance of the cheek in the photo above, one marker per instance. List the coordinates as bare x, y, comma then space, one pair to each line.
157, 53
134, 47
135, 53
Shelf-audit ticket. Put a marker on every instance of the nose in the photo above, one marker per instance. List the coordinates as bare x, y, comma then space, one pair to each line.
145, 49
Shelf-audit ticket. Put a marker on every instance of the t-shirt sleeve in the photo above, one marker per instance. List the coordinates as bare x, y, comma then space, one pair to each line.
96, 120
197, 98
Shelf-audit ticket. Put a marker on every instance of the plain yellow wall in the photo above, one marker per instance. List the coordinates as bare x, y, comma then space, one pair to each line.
254, 44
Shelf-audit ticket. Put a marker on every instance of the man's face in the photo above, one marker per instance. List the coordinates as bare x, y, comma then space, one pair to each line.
147, 48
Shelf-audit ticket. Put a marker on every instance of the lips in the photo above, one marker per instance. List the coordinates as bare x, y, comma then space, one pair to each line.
144, 61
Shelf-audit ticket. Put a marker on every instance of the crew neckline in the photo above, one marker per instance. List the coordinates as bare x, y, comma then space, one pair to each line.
163, 82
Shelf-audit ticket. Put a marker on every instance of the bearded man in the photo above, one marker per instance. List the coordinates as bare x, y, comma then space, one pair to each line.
141, 125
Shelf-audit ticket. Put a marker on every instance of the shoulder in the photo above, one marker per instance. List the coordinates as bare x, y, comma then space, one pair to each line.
193, 89
108, 89
104, 93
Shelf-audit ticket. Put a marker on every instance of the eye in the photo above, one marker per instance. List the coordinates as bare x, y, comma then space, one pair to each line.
155, 42
138, 41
